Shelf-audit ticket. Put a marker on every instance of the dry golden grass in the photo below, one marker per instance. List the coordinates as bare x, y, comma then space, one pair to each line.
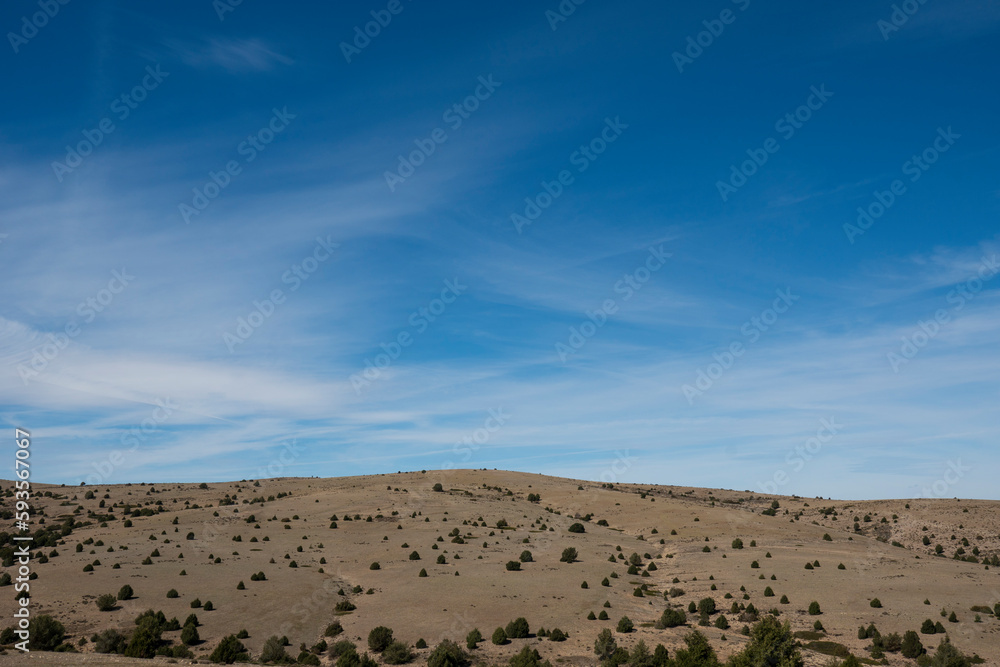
473, 588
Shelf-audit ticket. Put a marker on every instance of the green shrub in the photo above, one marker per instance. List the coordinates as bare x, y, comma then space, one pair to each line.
576, 528
771, 643
625, 625
473, 638
875, 603
447, 654
911, 647
379, 639
518, 628
172, 593
105, 602
45, 633
414, 556
109, 641
421, 643
737, 543
437, 488
375, 566
499, 637
125, 592
513, 566
605, 645
229, 650
189, 635
603, 616
814, 609
928, 627
557, 635
671, 618
208, 605
568, 555
422, 573
525, 557
397, 653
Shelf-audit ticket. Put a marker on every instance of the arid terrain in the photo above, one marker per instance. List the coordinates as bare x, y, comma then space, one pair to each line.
316, 542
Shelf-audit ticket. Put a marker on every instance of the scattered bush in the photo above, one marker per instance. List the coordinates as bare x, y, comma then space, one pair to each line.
499, 637
568, 555
517, 629
230, 650
625, 625
397, 653
105, 602
576, 528
447, 654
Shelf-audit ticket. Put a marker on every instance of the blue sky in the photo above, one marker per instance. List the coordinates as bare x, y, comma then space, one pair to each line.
621, 242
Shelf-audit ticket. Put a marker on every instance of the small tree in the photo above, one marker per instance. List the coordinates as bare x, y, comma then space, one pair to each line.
771, 643
438, 488
274, 650
737, 543
513, 566
577, 528
125, 592
106, 602
189, 635
814, 609
605, 645
912, 647
568, 555
625, 625
499, 637
473, 638
525, 556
